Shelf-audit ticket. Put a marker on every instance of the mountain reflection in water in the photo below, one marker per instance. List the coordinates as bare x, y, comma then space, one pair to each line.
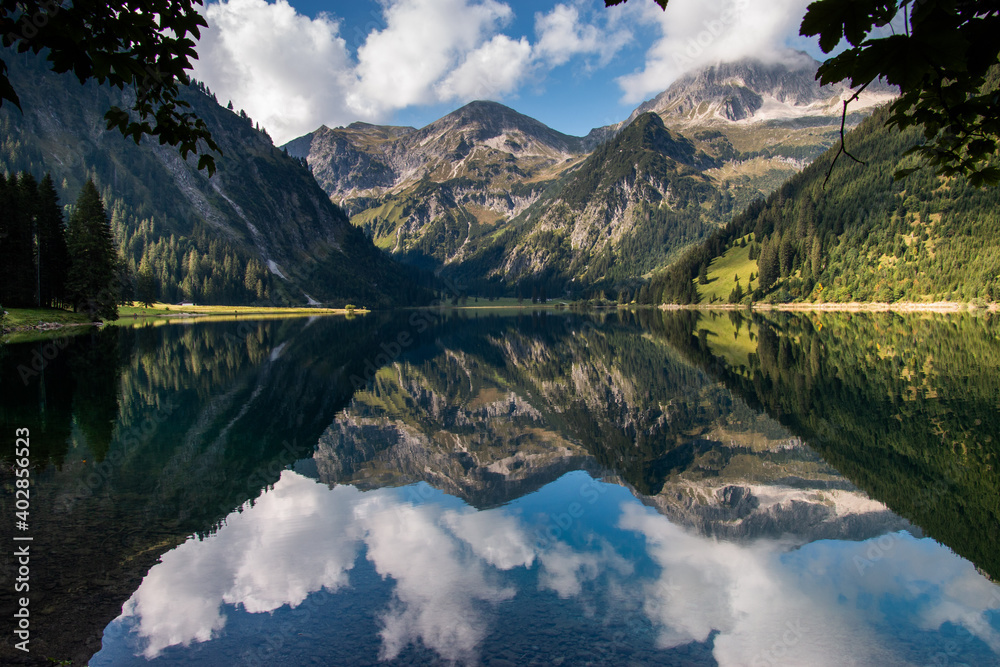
653, 488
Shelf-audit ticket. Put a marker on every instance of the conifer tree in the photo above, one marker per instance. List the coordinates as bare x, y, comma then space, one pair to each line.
768, 266
52, 255
146, 287
92, 277
17, 252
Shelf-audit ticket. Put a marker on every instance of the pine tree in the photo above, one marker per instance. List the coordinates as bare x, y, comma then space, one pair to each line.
52, 255
92, 277
146, 287
18, 202
768, 267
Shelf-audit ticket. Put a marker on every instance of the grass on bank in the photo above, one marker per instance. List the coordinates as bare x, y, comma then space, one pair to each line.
173, 310
722, 274
31, 317
22, 323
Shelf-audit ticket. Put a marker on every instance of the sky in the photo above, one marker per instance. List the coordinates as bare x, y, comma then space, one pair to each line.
294, 65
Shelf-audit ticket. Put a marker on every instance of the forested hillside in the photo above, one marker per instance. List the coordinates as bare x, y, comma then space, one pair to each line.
860, 236
260, 231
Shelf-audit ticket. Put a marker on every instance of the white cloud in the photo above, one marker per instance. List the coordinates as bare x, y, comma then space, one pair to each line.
498, 539
561, 36
565, 570
297, 539
821, 604
451, 571
437, 583
300, 537
423, 41
696, 33
289, 72
491, 71
292, 73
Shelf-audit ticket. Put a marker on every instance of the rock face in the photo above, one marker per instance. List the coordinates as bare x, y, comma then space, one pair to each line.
494, 198
423, 194
485, 142
634, 200
752, 91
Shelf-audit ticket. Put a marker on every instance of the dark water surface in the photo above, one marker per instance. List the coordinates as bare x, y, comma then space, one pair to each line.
631, 488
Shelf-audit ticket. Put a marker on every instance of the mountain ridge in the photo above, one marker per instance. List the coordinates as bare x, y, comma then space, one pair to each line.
457, 189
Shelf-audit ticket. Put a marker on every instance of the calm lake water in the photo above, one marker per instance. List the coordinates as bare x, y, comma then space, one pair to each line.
553, 489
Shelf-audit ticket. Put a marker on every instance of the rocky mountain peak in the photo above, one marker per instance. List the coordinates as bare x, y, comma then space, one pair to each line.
754, 90
482, 120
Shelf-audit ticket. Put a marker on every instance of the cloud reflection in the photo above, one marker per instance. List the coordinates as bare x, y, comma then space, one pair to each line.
828, 602
301, 537
765, 602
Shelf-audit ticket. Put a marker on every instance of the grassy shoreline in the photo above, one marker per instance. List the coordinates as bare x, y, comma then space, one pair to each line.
25, 324
850, 307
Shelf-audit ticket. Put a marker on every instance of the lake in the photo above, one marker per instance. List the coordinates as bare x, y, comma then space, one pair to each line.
513, 488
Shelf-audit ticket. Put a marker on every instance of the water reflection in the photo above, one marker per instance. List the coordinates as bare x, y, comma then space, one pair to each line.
453, 571
443, 507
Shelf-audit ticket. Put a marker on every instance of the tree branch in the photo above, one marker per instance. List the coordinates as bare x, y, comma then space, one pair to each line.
842, 150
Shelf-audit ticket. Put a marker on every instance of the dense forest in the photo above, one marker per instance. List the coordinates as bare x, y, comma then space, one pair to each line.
861, 234
33, 254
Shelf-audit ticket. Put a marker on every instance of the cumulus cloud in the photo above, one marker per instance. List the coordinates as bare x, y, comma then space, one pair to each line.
821, 604
438, 583
697, 33
289, 72
565, 571
293, 73
424, 41
562, 35
494, 69
301, 537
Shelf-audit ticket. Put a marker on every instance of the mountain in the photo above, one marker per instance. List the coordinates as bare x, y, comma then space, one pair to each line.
483, 194
482, 141
754, 91
632, 203
424, 193
259, 231
862, 235
765, 120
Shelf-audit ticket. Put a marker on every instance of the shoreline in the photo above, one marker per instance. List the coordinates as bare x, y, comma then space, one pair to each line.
214, 313
849, 307
223, 313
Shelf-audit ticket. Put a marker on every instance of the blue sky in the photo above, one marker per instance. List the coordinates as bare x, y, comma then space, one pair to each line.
294, 65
